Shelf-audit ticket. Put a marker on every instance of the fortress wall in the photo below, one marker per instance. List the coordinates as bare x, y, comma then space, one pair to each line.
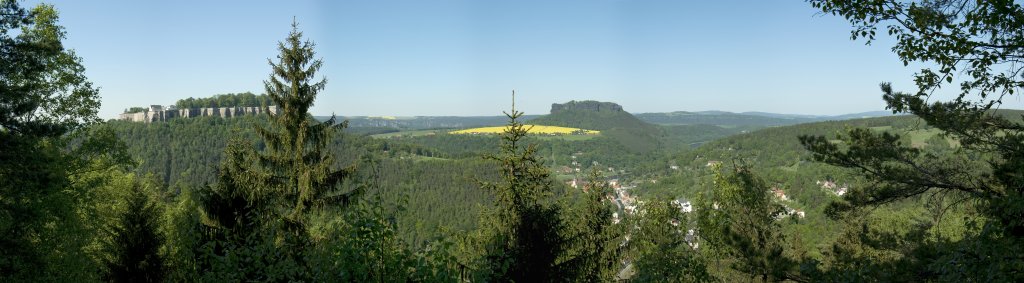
164, 115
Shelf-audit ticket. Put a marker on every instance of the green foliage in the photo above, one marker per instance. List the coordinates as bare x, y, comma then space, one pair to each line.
719, 118
245, 99
664, 247
634, 135
363, 245
260, 208
43, 88
280, 212
295, 165
523, 235
739, 219
133, 248
596, 241
46, 148
978, 44
135, 110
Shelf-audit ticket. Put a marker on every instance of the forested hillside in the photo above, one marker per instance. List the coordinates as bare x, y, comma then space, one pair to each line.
185, 153
425, 122
936, 195
719, 118
778, 156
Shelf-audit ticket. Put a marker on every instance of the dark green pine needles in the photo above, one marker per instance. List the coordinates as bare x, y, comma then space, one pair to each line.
296, 163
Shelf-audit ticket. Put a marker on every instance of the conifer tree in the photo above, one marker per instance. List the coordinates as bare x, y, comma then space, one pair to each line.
526, 239
740, 220
296, 162
133, 250
259, 210
597, 242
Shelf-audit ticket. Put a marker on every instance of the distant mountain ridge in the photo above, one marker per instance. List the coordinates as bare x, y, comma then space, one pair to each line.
747, 118
711, 117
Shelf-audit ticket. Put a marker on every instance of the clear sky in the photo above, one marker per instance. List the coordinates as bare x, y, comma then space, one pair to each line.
463, 58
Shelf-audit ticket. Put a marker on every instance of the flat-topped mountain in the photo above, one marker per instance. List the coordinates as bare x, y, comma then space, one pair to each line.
586, 105
609, 118
591, 115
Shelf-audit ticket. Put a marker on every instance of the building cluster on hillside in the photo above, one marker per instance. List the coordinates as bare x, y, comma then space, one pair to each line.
780, 196
832, 187
159, 113
622, 199
685, 206
793, 212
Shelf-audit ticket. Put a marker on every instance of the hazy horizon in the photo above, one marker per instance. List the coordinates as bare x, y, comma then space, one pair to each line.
463, 58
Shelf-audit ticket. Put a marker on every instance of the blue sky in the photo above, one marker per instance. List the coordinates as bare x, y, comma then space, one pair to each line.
463, 58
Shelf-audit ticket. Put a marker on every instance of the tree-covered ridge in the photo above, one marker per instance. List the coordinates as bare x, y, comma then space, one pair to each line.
244, 99
719, 118
786, 166
135, 110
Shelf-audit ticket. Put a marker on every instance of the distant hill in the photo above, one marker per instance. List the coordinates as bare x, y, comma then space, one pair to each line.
592, 115
609, 118
718, 118
778, 115
724, 118
870, 114
776, 155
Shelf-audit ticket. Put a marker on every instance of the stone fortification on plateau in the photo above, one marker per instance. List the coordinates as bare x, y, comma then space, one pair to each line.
157, 113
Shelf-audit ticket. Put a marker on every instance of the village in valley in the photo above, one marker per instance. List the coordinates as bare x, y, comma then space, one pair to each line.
623, 193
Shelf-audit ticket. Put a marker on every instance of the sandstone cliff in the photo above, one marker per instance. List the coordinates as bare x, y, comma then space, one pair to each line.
164, 115
586, 105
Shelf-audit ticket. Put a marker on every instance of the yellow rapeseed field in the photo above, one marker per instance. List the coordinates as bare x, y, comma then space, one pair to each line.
533, 129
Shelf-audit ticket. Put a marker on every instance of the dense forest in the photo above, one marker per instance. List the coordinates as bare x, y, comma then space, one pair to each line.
246, 99
934, 195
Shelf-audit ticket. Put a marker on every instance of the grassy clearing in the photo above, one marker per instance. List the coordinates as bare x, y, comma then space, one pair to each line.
426, 158
792, 168
919, 138
533, 129
404, 134
571, 137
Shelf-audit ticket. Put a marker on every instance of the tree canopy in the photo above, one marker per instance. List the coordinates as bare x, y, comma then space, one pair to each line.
979, 46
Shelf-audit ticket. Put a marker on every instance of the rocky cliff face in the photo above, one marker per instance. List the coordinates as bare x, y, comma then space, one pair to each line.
164, 115
586, 105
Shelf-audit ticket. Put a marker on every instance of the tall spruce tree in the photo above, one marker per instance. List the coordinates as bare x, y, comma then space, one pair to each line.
597, 242
525, 242
260, 208
297, 164
133, 249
